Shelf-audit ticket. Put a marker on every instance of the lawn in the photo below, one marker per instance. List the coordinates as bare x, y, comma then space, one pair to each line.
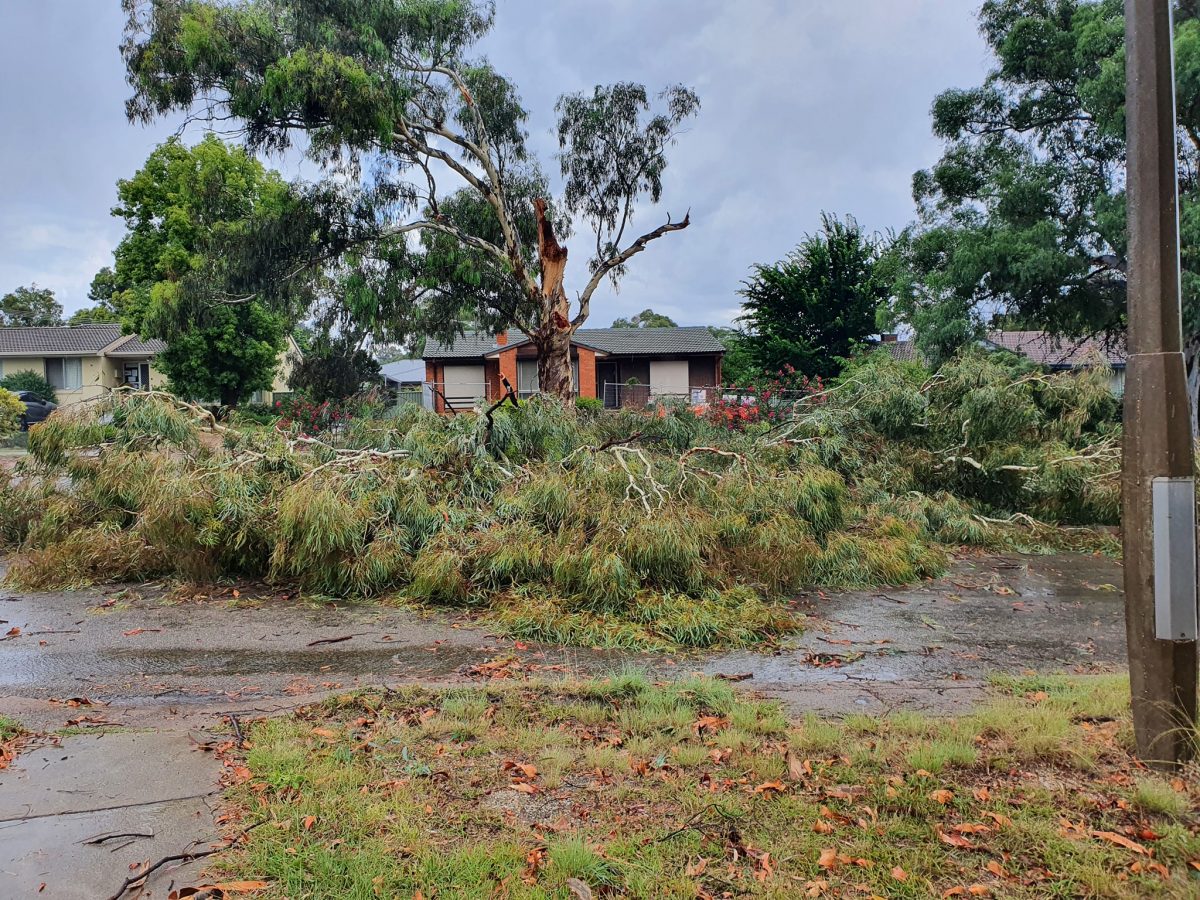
690, 790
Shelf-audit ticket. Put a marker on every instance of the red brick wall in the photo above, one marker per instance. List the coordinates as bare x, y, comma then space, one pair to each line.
587, 372
508, 366
433, 375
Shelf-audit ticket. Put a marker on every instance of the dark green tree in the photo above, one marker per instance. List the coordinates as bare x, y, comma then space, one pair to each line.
394, 81
816, 306
334, 367
30, 305
104, 285
647, 318
187, 212
1024, 214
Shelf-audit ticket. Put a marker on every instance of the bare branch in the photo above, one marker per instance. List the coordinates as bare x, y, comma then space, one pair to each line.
585, 299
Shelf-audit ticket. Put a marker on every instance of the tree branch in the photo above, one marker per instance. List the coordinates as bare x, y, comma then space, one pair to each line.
585, 299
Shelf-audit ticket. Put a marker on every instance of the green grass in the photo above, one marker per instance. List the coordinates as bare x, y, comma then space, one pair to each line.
687, 789
10, 728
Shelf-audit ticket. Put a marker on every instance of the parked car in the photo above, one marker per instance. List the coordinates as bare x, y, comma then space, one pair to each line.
36, 408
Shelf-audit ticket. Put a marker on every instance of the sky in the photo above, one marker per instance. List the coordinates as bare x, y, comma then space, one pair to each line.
806, 106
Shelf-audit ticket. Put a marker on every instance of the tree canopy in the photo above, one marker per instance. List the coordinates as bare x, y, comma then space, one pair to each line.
813, 308
647, 318
30, 305
104, 285
1024, 213
394, 83
184, 211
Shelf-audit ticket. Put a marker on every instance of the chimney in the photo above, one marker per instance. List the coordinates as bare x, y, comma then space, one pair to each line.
889, 337
502, 339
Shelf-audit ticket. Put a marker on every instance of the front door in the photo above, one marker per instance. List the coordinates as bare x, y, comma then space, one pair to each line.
137, 375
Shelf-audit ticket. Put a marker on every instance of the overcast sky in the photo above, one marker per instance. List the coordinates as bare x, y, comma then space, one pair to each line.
807, 105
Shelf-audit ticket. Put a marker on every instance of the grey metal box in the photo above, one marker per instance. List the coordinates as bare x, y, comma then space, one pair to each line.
1174, 512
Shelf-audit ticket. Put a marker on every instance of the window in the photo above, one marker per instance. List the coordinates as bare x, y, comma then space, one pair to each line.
65, 373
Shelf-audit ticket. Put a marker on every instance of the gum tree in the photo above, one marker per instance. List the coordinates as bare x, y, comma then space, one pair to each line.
454, 206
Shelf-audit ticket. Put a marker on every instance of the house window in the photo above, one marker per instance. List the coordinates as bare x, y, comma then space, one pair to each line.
65, 373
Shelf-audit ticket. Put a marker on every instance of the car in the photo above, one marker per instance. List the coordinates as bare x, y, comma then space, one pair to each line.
36, 408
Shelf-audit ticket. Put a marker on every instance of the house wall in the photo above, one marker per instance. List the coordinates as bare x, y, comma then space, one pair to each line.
587, 372
669, 376
702, 372
93, 378
463, 385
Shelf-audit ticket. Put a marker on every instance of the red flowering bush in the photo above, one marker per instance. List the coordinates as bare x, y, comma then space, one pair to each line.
309, 417
771, 401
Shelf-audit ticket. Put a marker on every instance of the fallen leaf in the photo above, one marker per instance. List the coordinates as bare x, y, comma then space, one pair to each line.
579, 890
324, 732
982, 794
696, 868
13, 632
899, 874
941, 796
955, 840
978, 890
970, 828
1001, 820
1121, 841
524, 788
822, 827
996, 869
797, 768
828, 859
767, 786
309, 822
954, 892
709, 723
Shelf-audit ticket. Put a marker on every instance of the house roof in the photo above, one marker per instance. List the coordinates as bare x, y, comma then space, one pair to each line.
62, 339
68, 340
902, 351
1058, 352
613, 341
138, 346
404, 371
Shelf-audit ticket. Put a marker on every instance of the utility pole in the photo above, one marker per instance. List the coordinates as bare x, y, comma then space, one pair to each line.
1158, 494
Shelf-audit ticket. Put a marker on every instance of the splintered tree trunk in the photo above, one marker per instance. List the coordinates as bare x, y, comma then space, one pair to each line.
553, 337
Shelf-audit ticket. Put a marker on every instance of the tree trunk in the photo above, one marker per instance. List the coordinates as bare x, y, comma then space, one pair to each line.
554, 364
553, 337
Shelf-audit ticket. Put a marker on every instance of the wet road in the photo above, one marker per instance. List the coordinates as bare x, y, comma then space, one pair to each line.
927, 646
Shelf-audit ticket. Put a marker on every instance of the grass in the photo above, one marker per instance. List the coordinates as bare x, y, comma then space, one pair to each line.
688, 790
10, 728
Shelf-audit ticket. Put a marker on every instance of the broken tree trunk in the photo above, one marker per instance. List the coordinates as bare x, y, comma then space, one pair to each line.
553, 335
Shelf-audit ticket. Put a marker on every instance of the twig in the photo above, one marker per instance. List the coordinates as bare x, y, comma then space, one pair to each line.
237, 731
113, 835
133, 880
335, 640
509, 396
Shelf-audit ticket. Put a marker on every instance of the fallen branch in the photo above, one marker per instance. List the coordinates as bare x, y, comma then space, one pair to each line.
139, 880
510, 396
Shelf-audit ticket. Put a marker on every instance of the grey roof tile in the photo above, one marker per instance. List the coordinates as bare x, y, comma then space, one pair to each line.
1059, 352
62, 339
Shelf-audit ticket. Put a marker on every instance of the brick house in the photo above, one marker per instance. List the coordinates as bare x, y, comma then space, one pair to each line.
623, 366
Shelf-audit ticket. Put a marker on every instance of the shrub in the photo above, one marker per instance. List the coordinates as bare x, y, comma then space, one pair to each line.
589, 404
29, 380
11, 412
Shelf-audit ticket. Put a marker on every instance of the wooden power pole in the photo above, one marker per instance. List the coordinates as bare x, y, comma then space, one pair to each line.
1158, 492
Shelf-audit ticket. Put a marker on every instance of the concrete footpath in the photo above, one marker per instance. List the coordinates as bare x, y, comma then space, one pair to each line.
125, 691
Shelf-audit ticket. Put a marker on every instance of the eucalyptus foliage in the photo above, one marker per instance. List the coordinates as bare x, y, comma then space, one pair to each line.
394, 85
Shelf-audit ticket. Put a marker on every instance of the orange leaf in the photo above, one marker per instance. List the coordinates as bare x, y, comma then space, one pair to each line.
711, 723
941, 796
970, 828
828, 859
524, 788
796, 768
822, 827
899, 874
309, 822
242, 887
696, 868
324, 732
767, 786
996, 869
978, 890
13, 632
955, 840
982, 794
1121, 841
1002, 821
954, 892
